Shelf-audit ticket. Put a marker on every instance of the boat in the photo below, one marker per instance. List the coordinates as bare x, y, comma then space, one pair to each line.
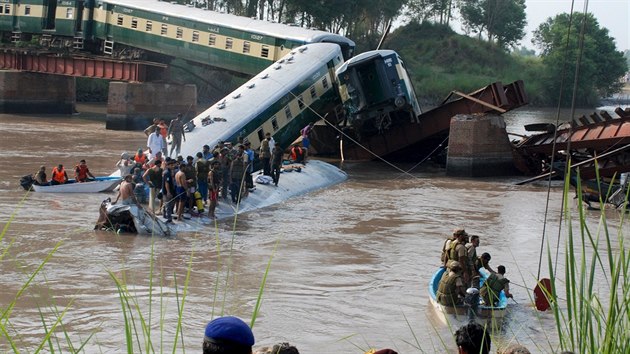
99, 184
122, 218
456, 316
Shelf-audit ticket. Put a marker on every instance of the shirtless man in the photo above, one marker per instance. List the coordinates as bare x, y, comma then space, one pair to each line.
126, 192
182, 193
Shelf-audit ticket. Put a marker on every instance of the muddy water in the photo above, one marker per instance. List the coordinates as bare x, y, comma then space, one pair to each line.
349, 265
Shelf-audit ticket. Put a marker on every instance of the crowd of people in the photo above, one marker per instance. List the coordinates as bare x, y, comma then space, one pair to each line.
189, 185
459, 256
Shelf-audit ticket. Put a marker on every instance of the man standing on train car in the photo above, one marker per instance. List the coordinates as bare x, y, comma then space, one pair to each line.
176, 131
306, 142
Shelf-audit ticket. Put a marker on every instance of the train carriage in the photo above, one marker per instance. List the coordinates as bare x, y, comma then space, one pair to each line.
235, 43
280, 100
8, 19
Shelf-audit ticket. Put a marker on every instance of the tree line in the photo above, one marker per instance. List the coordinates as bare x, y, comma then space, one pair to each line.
562, 41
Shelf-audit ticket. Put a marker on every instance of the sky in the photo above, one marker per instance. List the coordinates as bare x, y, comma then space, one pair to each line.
611, 14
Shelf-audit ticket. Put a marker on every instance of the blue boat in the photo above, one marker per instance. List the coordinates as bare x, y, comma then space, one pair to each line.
459, 315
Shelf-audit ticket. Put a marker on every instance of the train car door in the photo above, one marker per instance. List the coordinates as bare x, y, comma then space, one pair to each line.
50, 10
79, 21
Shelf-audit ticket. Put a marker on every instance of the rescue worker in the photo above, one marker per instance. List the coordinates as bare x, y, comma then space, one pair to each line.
493, 285
306, 142
176, 131
297, 154
471, 252
140, 157
483, 261
81, 172
153, 178
40, 177
458, 253
447, 246
237, 174
265, 155
451, 289
214, 184
59, 175
277, 155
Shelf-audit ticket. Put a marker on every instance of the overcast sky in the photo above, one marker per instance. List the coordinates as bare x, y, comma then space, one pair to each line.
611, 14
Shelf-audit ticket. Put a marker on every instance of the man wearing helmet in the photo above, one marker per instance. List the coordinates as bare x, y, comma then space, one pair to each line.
451, 289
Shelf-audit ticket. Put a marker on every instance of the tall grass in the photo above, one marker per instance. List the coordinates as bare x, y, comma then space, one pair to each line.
595, 317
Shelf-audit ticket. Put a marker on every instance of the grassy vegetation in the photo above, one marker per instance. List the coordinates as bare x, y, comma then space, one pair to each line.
440, 60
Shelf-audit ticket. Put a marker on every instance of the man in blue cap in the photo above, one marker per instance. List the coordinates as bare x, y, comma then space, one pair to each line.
228, 335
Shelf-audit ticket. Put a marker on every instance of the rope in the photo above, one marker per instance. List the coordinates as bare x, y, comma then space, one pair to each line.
553, 149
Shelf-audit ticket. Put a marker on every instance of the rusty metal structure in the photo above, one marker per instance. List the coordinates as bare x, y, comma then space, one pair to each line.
79, 66
413, 138
599, 136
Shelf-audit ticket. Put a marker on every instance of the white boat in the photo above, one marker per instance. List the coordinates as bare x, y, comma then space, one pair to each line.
99, 184
455, 316
132, 219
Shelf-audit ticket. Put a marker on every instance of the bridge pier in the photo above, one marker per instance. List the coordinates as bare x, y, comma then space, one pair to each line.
132, 106
28, 92
479, 146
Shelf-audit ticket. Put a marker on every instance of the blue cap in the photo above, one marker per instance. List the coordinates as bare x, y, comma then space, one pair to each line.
230, 328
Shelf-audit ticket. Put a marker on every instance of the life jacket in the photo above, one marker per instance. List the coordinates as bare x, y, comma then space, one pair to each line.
297, 154
452, 252
59, 176
163, 130
81, 171
446, 248
447, 289
491, 289
142, 159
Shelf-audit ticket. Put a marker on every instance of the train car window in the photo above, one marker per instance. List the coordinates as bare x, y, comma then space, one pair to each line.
228, 43
7, 9
313, 92
212, 40
264, 52
134, 22
1, 9
287, 112
274, 123
246, 46
301, 102
180, 32
195, 36
27, 10
149, 26
325, 83
164, 30
70, 13
120, 20
261, 134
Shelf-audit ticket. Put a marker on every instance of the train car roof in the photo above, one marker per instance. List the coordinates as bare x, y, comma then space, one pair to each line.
366, 56
228, 20
266, 88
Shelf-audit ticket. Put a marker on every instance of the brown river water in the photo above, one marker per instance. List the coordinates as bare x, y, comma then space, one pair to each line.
349, 265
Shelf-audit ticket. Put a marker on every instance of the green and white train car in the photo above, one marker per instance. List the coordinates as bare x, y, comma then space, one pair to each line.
235, 43
280, 100
67, 19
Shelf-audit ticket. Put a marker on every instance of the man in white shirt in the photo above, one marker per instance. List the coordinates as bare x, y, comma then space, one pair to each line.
155, 143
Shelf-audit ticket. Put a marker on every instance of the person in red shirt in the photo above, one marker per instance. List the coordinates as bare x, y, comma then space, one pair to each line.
81, 172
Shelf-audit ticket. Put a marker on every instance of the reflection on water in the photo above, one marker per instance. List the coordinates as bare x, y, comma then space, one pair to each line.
351, 267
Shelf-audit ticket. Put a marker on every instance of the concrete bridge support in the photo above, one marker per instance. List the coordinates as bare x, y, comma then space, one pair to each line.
132, 106
27, 92
479, 146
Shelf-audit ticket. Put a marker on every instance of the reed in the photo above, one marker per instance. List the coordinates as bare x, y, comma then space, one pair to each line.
594, 316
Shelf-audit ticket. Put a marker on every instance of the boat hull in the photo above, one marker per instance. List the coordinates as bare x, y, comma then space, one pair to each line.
100, 184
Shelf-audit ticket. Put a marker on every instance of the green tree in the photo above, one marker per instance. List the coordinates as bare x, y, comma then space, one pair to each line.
440, 11
601, 65
502, 21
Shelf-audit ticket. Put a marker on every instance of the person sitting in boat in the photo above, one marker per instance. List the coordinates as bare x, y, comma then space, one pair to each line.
40, 177
59, 175
451, 290
493, 285
473, 338
82, 172
126, 192
297, 154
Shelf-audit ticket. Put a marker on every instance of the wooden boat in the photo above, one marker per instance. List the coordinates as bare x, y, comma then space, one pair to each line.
100, 184
456, 316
